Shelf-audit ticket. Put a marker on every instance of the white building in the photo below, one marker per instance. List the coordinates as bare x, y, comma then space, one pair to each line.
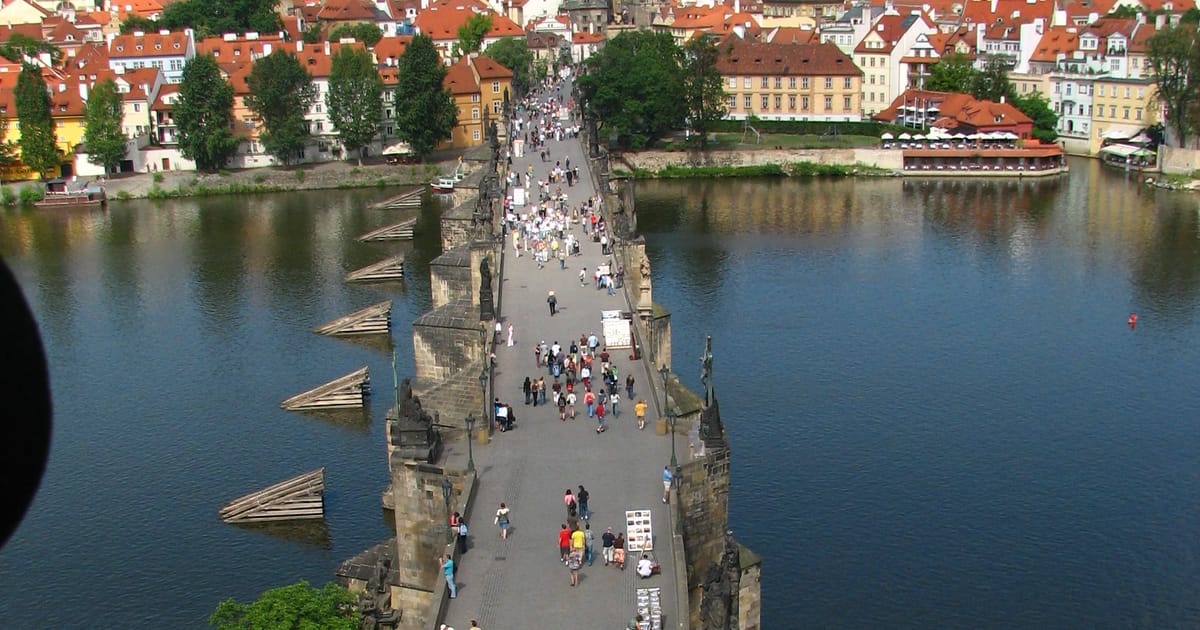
168, 51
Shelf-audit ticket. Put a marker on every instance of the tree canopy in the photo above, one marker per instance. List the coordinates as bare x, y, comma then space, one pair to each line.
281, 91
103, 137
38, 149
703, 87
638, 107
1173, 59
1036, 106
471, 33
952, 73
211, 18
425, 110
293, 607
513, 54
364, 32
355, 98
956, 73
204, 114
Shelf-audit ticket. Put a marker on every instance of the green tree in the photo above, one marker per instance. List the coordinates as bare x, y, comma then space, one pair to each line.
293, 607
992, 82
138, 23
204, 114
1037, 107
636, 107
38, 150
471, 33
103, 137
513, 54
952, 73
1171, 55
312, 34
281, 91
355, 98
21, 48
703, 87
364, 32
425, 110
8, 149
211, 18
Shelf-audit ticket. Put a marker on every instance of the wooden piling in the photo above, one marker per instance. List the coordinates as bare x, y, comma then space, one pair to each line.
402, 231
387, 269
347, 392
373, 320
301, 497
410, 199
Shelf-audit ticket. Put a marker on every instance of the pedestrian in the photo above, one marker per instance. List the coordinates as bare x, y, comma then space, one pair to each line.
667, 477
510, 335
629, 386
613, 400
589, 541
542, 390
475, 624
578, 542
564, 543
639, 410
569, 500
562, 406
537, 355
574, 561
606, 549
502, 521
585, 375
582, 500
528, 389
635, 623
619, 551
462, 536
589, 399
553, 302
600, 428
533, 389
570, 402
448, 571
562, 258
583, 276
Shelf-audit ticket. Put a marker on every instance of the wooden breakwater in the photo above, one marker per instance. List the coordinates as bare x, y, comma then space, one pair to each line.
372, 320
301, 497
346, 392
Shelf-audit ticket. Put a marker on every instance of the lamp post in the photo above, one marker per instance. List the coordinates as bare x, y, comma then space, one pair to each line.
447, 487
483, 382
671, 415
470, 438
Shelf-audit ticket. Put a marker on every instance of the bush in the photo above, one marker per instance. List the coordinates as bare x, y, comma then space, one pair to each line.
31, 194
259, 178
7, 196
223, 173
124, 195
355, 170
763, 170
300, 175
158, 178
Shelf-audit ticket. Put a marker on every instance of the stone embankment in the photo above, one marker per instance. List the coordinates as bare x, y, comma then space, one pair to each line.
654, 161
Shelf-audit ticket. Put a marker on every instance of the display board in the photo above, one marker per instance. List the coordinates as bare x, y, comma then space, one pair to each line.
518, 196
649, 606
617, 333
639, 533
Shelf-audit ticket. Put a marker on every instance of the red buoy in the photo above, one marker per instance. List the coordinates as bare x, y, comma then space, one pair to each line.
1133, 320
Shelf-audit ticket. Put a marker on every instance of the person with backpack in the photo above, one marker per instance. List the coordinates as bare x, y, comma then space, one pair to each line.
501, 521
569, 500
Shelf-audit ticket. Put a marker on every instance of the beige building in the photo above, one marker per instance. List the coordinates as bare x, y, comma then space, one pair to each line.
1121, 109
789, 81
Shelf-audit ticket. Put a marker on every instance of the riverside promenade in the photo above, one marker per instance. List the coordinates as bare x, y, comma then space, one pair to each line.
520, 582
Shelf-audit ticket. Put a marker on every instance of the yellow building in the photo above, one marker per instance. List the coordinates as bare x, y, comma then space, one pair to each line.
789, 81
478, 84
1121, 109
67, 110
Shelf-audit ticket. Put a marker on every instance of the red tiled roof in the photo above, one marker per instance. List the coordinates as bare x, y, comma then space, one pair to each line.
441, 24
391, 47
1056, 40
489, 68
347, 10
743, 57
239, 48
148, 45
459, 78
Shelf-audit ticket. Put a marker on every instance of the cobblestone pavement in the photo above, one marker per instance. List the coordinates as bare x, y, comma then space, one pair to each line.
520, 583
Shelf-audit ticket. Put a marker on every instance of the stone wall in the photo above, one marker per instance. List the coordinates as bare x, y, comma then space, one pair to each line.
659, 337
450, 277
421, 526
657, 160
750, 591
704, 502
1177, 161
449, 354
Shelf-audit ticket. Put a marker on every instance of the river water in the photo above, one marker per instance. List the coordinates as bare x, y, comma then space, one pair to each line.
939, 416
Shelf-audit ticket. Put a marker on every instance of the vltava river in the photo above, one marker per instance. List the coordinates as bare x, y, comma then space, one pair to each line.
939, 416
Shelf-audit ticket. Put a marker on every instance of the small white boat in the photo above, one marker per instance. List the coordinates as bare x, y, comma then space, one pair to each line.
443, 185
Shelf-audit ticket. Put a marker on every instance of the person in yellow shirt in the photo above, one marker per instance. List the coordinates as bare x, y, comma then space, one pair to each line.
577, 540
639, 410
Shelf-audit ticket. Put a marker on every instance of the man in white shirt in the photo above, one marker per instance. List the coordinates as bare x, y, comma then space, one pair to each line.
644, 566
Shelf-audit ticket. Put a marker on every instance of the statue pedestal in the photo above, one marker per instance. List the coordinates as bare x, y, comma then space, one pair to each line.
644, 299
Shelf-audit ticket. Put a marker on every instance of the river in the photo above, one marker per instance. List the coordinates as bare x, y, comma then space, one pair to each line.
939, 416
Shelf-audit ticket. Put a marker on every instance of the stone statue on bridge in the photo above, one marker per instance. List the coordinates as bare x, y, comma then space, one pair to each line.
412, 430
722, 583
487, 309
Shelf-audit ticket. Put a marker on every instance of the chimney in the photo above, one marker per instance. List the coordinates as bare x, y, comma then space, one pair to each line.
1160, 21
326, 48
1001, 99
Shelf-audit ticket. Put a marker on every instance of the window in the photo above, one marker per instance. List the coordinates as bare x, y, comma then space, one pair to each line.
845, 103
320, 126
828, 83
792, 83
804, 83
804, 103
792, 103
1141, 93
732, 82
828, 103
474, 113
766, 82
495, 87
779, 103
1112, 111
846, 83
778, 83
765, 104
1101, 90
474, 98
732, 101
1126, 92
1126, 113
387, 113
137, 107
872, 80
496, 105
1138, 112
318, 107
475, 134
746, 83
746, 102
390, 130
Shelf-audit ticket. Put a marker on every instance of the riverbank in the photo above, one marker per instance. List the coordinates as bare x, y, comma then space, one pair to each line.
792, 169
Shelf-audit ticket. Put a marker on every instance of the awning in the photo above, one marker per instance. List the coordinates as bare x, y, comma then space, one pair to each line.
1120, 150
399, 148
886, 136
1116, 134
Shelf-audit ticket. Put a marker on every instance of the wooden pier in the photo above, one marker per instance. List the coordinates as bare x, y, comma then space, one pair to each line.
373, 320
387, 269
402, 231
410, 199
301, 497
347, 392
